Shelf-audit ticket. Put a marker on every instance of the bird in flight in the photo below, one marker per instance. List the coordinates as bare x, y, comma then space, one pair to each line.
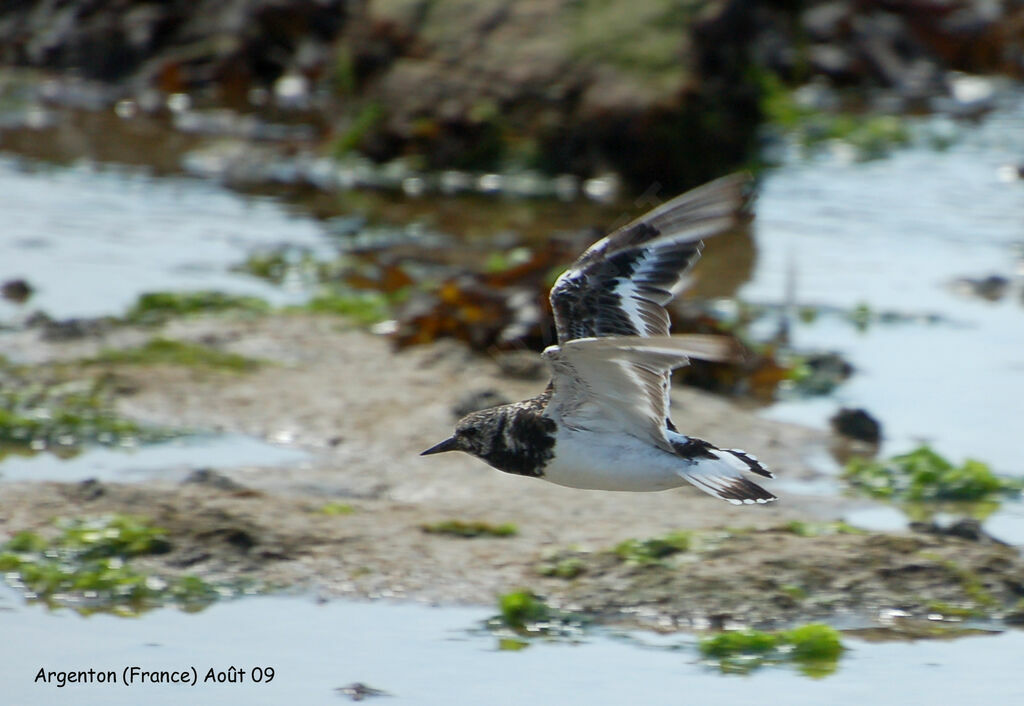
603, 421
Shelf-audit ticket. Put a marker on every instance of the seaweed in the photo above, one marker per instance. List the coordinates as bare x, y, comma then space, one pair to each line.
87, 566
63, 416
922, 475
524, 614
154, 308
469, 530
164, 351
653, 550
814, 649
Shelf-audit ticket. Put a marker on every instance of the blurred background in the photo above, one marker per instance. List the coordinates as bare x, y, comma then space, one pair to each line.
198, 197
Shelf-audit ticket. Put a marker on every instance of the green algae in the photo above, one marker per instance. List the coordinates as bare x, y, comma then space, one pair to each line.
363, 306
814, 649
949, 610
521, 608
87, 565
568, 568
362, 124
922, 475
154, 308
163, 351
523, 615
982, 602
869, 135
653, 550
469, 530
63, 416
336, 509
820, 529
281, 264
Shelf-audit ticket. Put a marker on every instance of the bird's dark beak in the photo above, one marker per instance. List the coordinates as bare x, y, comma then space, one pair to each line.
449, 444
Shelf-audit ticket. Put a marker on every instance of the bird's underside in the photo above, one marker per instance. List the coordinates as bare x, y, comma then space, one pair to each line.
603, 422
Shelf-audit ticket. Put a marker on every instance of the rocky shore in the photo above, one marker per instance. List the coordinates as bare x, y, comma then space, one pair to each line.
350, 520
666, 93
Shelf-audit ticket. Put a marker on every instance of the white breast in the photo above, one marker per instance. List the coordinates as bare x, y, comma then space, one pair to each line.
610, 461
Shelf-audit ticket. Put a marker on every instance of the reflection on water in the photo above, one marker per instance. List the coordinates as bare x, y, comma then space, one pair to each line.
435, 656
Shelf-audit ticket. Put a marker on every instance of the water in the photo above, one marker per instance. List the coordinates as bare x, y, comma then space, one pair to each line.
90, 240
421, 655
170, 461
893, 234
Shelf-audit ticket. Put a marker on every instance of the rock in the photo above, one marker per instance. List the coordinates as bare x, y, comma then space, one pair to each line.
16, 290
213, 479
68, 329
857, 424
964, 528
522, 365
357, 691
993, 287
477, 400
659, 95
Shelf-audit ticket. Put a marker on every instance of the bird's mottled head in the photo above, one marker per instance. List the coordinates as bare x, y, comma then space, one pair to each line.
474, 434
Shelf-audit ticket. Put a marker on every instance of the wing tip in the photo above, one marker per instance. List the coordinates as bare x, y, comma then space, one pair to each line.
751, 462
733, 489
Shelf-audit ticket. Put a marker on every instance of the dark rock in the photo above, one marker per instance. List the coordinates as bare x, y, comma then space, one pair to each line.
16, 290
214, 479
660, 94
179, 45
67, 329
965, 528
857, 424
475, 401
357, 691
87, 490
522, 365
993, 287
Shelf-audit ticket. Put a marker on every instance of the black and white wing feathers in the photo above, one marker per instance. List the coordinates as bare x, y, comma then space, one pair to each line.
621, 284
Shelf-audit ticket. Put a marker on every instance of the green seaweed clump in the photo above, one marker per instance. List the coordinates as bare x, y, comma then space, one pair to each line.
278, 265
520, 608
524, 614
87, 567
869, 135
365, 307
653, 550
923, 475
469, 530
820, 529
63, 416
155, 308
164, 351
335, 509
568, 568
814, 649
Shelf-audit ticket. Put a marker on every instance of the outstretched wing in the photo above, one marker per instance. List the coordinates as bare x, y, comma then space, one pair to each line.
616, 383
621, 284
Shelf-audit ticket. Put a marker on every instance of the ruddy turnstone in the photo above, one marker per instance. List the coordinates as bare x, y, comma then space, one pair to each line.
602, 423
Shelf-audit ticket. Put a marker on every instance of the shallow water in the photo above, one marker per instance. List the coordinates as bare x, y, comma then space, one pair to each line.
893, 234
169, 461
91, 239
422, 655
